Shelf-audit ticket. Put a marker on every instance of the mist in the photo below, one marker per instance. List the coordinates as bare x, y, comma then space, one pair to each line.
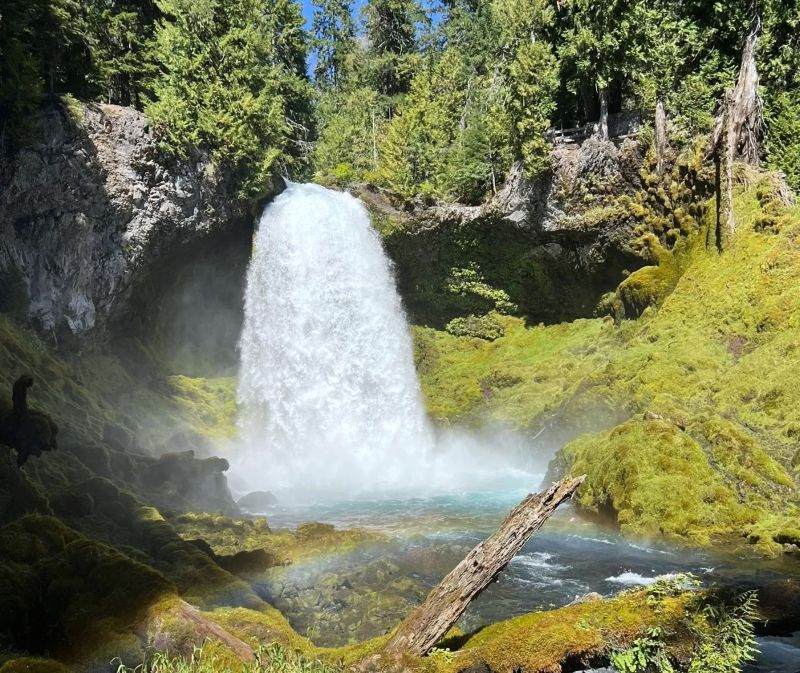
329, 401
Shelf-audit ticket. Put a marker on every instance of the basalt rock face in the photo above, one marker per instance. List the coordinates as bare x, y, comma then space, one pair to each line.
93, 209
546, 249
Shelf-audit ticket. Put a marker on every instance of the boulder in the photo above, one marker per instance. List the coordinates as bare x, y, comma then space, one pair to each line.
257, 501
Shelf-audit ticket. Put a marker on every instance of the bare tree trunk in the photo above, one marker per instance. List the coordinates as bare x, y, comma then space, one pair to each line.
374, 142
739, 128
661, 138
602, 126
746, 122
428, 623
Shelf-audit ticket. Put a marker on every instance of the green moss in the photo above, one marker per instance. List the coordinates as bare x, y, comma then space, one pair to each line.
228, 536
78, 598
542, 641
210, 404
715, 352
650, 285
480, 327
74, 107
517, 378
656, 479
33, 665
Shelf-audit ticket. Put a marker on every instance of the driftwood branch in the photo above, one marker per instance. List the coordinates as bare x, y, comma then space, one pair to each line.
428, 623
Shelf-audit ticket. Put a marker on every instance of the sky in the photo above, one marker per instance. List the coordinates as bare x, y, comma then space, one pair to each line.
308, 12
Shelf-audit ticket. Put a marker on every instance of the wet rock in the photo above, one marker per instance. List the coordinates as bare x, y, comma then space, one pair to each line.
257, 501
247, 562
192, 483
779, 607
477, 668
118, 437
18, 494
591, 597
204, 547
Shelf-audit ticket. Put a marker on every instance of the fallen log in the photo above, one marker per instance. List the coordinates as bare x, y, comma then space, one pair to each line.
428, 623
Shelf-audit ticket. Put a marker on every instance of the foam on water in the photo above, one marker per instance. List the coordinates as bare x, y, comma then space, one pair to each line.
631, 579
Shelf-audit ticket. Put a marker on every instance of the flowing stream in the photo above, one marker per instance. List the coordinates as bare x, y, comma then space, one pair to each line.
427, 536
332, 421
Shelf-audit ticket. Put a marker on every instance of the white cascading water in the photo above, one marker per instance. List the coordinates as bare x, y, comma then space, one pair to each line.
328, 395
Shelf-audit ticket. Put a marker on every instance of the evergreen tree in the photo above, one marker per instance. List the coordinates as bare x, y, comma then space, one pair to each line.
20, 68
531, 71
122, 32
419, 138
334, 40
231, 83
352, 123
483, 150
779, 62
392, 35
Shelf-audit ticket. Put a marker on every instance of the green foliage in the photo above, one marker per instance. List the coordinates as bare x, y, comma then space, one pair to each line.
93, 49
480, 327
121, 57
391, 29
351, 126
731, 640
334, 32
783, 141
272, 658
414, 150
721, 628
232, 82
533, 82
646, 654
21, 79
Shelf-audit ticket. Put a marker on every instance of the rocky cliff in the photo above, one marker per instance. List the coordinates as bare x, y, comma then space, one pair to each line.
93, 209
546, 249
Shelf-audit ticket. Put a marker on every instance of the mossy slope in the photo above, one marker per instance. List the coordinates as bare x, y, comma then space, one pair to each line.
705, 383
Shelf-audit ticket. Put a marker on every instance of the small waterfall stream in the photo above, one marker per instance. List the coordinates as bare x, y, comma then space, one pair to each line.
328, 394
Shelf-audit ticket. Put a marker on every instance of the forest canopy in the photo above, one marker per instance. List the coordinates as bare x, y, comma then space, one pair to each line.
437, 99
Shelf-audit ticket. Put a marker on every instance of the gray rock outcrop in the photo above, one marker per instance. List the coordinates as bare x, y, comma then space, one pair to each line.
92, 207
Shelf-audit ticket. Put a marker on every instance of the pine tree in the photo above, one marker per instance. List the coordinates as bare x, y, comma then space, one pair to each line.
334, 40
20, 69
420, 136
392, 35
530, 69
120, 34
231, 84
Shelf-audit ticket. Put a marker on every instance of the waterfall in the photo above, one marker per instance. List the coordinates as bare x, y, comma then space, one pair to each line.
328, 395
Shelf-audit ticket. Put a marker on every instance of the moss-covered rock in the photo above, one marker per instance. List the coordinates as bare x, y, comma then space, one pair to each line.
19, 495
76, 598
33, 665
227, 537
